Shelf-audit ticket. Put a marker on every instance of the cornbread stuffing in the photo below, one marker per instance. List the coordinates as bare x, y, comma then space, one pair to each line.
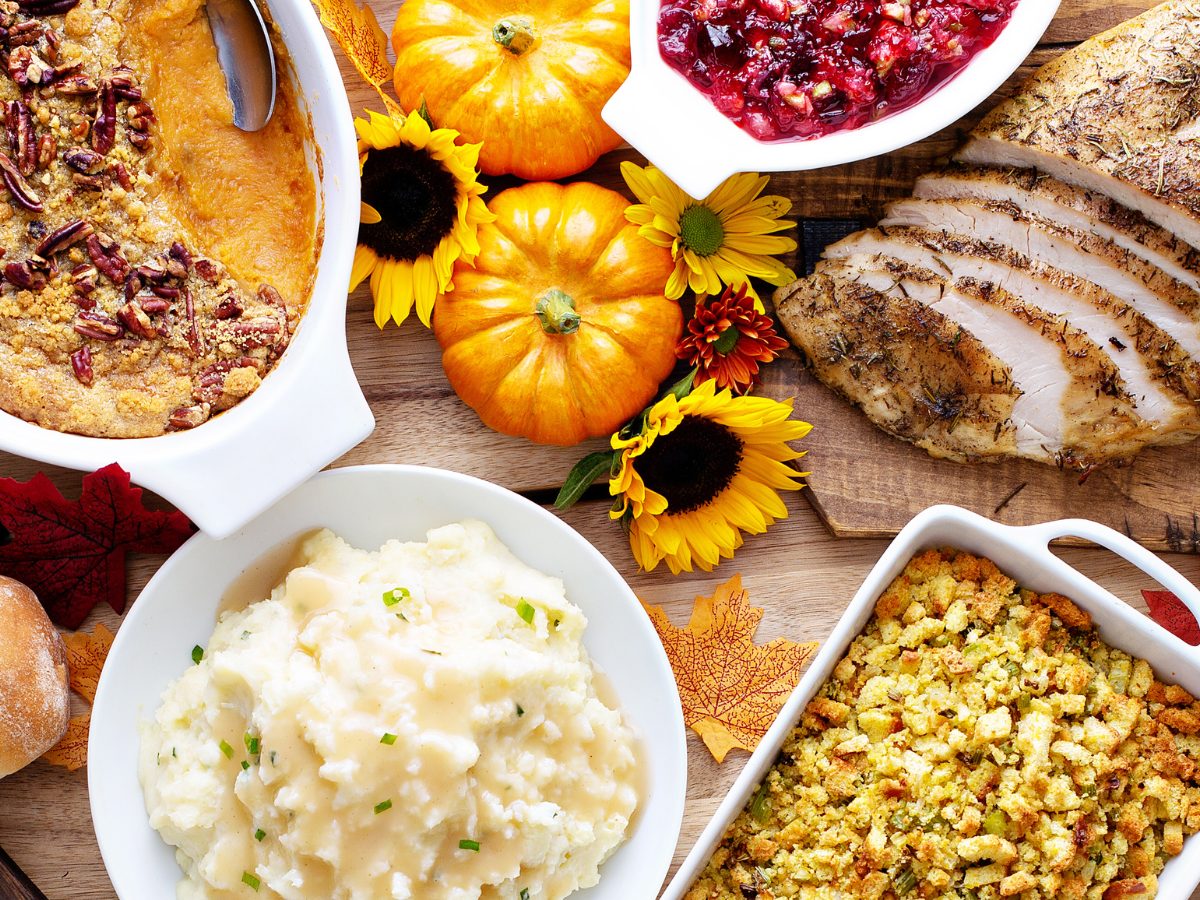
144, 286
977, 741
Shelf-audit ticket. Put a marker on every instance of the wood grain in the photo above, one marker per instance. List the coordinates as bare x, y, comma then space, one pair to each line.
797, 571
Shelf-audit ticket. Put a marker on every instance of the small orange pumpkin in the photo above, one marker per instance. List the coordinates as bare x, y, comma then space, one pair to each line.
561, 331
525, 79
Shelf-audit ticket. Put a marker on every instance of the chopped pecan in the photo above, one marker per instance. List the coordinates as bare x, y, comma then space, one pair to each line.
125, 83
106, 256
153, 305
18, 65
180, 254
27, 32
81, 365
190, 416
81, 160
53, 46
151, 274
133, 284
79, 127
139, 115
207, 270
230, 307
47, 7
166, 291
76, 84
140, 139
63, 70
98, 326
62, 238
83, 280
47, 149
118, 171
18, 188
253, 333
89, 182
104, 129
21, 137
24, 276
193, 336
211, 379
134, 317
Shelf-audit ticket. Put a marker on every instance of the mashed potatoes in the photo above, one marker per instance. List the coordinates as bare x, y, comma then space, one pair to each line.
420, 721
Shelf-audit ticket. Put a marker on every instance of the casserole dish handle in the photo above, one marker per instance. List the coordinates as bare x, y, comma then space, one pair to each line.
1126, 548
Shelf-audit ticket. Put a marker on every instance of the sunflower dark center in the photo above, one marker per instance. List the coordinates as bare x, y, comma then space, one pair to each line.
693, 464
416, 198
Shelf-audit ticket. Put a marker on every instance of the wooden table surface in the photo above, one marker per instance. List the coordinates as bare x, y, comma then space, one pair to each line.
798, 572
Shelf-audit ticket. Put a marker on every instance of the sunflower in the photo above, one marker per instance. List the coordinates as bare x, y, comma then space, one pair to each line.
726, 238
421, 210
702, 471
727, 339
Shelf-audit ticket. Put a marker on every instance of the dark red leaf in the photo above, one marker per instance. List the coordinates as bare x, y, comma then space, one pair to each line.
72, 552
1168, 611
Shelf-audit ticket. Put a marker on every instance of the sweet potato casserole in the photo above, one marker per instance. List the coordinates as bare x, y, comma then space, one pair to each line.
977, 741
155, 259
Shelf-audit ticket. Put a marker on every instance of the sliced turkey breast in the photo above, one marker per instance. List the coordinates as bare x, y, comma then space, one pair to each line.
1073, 410
912, 371
1173, 307
1070, 207
1119, 114
1163, 381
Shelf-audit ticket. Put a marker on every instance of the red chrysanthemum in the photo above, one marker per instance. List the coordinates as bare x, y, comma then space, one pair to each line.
728, 339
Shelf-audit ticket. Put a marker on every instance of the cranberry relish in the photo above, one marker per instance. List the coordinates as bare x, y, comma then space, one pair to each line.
799, 69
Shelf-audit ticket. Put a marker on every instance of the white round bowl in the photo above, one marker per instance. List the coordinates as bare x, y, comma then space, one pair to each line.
369, 505
678, 129
310, 409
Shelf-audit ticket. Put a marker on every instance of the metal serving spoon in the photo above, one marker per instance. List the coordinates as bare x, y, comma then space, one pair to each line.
245, 54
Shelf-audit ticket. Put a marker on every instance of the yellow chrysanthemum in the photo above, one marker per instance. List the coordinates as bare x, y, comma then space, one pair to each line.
724, 239
421, 211
703, 471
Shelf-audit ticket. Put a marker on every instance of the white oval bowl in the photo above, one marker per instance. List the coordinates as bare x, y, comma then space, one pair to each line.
678, 129
369, 505
310, 409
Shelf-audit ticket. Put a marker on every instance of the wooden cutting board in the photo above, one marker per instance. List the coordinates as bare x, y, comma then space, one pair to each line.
866, 483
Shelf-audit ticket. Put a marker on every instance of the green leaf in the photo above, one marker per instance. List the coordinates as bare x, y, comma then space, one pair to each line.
684, 386
586, 471
727, 340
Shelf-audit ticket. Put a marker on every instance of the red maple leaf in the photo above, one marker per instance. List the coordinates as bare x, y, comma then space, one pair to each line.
71, 553
1168, 611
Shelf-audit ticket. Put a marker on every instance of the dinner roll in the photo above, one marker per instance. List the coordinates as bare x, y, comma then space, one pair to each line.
34, 700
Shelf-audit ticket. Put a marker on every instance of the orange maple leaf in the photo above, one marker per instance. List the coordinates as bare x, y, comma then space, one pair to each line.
86, 654
731, 688
358, 33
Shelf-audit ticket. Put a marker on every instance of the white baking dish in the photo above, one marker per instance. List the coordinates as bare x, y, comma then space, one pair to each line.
676, 127
1022, 553
310, 409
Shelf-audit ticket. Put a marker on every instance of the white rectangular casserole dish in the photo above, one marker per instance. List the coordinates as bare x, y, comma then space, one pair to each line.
1022, 553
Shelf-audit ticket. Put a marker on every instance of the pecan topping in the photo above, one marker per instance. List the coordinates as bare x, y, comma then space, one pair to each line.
190, 416
125, 84
180, 254
81, 365
28, 32
98, 326
89, 182
166, 291
81, 160
254, 333
136, 320
153, 305
151, 274
211, 381
76, 84
139, 139
207, 270
28, 69
193, 335
230, 307
106, 256
118, 171
83, 280
139, 115
47, 149
18, 187
24, 275
62, 238
21, 136
104, 130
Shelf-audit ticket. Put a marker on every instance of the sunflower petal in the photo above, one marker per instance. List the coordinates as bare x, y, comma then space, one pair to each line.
425, 288
365, 260
367, 214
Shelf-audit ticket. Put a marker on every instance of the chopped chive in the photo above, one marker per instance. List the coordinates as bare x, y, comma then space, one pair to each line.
248, 878
245, 634
520, 710
524, 894
174, 755
395, 595
388, 738
468, 845
525, 610
252, 744
259, 834
272, 757
197, 654
760, 808
383, 807
245, 765
226, 749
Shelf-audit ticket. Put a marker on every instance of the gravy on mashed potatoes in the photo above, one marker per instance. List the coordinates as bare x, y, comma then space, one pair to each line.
420, 721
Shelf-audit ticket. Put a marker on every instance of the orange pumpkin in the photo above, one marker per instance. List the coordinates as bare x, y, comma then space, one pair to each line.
561, 331
525, 79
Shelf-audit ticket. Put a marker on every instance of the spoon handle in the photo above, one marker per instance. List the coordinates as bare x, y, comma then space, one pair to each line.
15, 884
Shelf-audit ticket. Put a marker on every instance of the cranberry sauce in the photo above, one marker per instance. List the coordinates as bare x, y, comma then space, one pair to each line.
799, 69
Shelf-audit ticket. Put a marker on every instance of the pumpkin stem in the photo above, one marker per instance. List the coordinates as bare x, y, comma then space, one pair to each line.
556, 313
515, 34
